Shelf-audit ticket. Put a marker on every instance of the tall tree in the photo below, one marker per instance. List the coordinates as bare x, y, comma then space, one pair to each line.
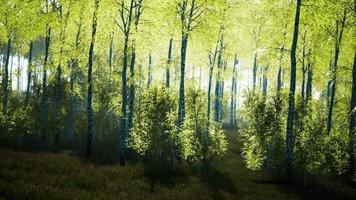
138, 12
90, 82
73, 64
63, 19
219, 83
126, 16
233, 93
189, 11
308, 94
44, 100
338, 39
291, 102
212, 61
29, 74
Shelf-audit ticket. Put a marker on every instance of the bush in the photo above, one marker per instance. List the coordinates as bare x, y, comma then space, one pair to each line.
154, 130
263, 135
155, 133
200, 139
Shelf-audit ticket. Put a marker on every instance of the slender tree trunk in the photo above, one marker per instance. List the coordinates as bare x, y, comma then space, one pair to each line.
132, 78
338, 40
29, 74
123, 121
235, 95
291, 114
352, 126
132, 89
90, 82
328, 89
73, 67
44, 106
10, 74
221, 93
149, 76
264, 83
254, 71
303, 83
181, 105
309, 80
5, 79
169, 62
70, 120
279, 80
235, 101
211, 71
35, 87
58, 97
303, 66
218, 86
232, 100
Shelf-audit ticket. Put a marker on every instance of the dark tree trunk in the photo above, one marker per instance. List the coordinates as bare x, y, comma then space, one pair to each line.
132, 89
123, 121
291, 108
303, 83
29, 74
70, 120
90, 82
44, 106
73, 67
218, 85
58, 101
279, 79
309, 80
338, 40
303, 66
352, 125
181, 104
328, 89
169, 62
58, 92
264, 83
5, 79
235, 102
254, 72
212, 58
233, 94
222, 92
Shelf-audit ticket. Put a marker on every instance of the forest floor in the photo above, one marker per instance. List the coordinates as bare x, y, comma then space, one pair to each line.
29, 175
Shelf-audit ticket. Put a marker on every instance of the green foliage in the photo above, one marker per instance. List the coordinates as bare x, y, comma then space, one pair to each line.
195, 143
310, 137
263, 136
154, 132
315, 152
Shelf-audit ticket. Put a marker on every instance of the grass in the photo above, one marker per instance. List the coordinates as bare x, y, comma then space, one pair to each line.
25, 175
